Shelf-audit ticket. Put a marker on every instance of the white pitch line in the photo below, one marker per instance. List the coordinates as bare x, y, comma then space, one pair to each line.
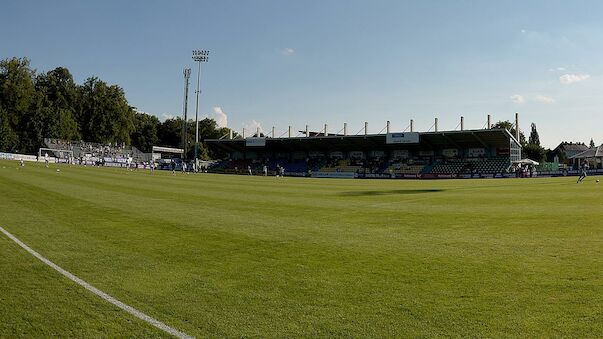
100, 293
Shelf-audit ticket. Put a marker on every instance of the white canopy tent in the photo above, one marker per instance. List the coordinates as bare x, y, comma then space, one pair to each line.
527, 161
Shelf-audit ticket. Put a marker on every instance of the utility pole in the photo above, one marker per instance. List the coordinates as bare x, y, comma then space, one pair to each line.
187, 75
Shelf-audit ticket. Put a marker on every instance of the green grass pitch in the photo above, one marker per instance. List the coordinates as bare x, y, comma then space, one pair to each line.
239, 256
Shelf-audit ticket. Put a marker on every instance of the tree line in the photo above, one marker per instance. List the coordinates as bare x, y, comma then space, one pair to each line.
34, 106
37, 105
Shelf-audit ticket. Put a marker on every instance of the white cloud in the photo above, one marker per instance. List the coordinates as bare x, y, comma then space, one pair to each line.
287, 51
166, 116
518, 99
567, 79
557, 69
220, 117
251, 127
544, 99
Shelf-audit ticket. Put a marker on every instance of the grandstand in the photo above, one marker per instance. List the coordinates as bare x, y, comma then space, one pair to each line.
441, 154
90, 153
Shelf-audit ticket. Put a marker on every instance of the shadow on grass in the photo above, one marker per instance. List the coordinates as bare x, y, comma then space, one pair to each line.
390, 192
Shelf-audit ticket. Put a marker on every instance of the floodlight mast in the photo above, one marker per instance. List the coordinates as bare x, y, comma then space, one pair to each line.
199, 56
187, 75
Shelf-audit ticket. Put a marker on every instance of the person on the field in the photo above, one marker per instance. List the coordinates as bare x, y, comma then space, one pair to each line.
583, 173
46, 159
183, 167
265, 170
173, 167
249, 170
282, 171
21, 163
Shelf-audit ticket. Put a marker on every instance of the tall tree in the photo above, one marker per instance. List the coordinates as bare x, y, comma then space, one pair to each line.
145, 133
8, 137
17, 95
170, 132
106, 116
534, 138
58, 98
51, 105
592, 143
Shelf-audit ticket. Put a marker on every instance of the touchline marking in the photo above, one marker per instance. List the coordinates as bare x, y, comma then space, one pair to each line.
100, 293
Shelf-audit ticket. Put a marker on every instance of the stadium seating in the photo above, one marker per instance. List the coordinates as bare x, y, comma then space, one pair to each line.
404, 168
453, 167
109, 153
477, 165
341, 166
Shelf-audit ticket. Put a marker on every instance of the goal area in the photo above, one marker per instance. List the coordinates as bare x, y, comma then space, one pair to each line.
59, 155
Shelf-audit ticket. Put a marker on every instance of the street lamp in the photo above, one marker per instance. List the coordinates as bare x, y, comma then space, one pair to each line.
187, 75
199, 57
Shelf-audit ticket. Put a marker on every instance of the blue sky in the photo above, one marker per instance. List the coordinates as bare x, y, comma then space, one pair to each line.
280, 63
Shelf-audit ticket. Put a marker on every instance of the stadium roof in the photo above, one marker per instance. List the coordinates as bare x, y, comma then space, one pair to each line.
427, 140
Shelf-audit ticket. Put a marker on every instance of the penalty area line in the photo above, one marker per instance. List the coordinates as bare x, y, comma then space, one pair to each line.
138, 314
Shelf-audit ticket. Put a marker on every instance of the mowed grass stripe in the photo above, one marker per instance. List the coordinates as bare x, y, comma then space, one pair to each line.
279, 262
127, 308
38, 302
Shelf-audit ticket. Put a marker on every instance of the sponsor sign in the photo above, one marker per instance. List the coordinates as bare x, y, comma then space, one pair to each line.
476, 152
357, 154
12, 156
7, 156
377, 154
503, 151
402, 138
401, 153
342, 175
426, 153
255, 142
450, 152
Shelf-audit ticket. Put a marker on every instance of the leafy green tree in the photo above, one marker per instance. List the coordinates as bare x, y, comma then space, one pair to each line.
17, 95
170, 132
534, 152
51, 105
8, 138
145, 133
57, 102
106, 116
